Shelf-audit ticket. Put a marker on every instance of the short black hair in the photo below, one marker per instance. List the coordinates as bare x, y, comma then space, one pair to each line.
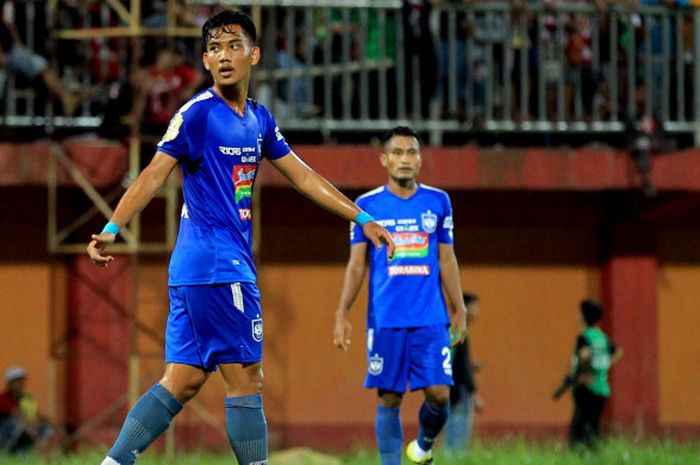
399, 131
592, 311
229, 18
469, 298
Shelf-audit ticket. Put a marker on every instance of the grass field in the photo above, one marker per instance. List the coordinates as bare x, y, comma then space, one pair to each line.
511, 452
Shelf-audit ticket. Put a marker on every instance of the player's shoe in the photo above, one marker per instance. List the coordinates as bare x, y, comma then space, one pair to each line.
417, 455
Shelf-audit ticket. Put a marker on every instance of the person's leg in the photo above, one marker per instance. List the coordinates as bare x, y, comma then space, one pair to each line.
469, 421
154, 411
387, 372
388, 427
11, 429
597, 406
577, 427
433, 415
431, 371
245, 418
456, 426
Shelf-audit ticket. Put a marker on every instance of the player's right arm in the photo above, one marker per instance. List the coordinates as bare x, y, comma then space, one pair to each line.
354, 276
133, 201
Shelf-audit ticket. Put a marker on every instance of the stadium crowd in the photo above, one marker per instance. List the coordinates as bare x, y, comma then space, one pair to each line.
460, 60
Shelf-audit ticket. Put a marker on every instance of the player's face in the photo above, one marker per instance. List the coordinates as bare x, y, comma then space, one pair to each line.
401, 158
230, 55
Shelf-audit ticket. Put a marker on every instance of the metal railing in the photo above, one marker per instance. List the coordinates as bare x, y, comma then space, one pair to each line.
337, 65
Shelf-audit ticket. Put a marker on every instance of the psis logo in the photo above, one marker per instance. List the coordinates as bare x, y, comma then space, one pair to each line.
257, 329
429, 222
376, 365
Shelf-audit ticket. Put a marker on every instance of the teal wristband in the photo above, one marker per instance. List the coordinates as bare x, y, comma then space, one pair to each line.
111, 228
363, 218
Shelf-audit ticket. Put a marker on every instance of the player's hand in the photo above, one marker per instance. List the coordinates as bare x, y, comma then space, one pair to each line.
556, 395
478, 402
96, 248
458, 327
378, 235
342, 332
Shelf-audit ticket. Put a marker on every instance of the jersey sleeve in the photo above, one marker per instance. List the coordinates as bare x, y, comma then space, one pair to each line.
175, 141
446, 226
274, 145
582, 342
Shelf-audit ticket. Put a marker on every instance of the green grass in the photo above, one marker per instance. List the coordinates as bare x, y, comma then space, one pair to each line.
507, 452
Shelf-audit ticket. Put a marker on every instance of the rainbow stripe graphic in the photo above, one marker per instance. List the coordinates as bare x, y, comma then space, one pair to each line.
411, 244
243, 178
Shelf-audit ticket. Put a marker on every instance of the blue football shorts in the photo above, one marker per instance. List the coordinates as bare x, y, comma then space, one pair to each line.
419, 357
213, 324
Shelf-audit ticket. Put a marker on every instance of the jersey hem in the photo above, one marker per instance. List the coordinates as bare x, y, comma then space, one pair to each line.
210, 282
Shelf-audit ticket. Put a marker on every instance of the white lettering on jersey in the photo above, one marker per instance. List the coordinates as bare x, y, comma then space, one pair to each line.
244, 214
230, 150
185, 213
239, 151
409, 270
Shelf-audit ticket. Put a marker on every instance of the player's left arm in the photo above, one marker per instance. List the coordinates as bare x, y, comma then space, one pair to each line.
449, 275
317, 188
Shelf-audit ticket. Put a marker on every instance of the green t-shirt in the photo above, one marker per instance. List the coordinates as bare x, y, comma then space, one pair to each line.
601, 350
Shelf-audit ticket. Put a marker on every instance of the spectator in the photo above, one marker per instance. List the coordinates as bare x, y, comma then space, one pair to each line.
580, 76
17, 58
158, 92
464, 394
452, 55
419, 56
22, 428
594, 354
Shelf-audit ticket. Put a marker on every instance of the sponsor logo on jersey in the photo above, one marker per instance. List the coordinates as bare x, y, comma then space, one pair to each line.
370, 339
257, 329
173, 129
429, 221
409, 270
411, 244
185, 213
243, 178
244, 214
376, 365
230, 150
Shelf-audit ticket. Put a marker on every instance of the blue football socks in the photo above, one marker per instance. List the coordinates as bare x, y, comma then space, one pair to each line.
431, 420
148, 418
389, 435
247, 429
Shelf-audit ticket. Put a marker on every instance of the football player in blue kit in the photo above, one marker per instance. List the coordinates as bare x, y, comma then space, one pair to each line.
408, 327
218, 139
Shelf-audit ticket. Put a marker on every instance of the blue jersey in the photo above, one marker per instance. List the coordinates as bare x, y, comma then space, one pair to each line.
407, 292
219, 153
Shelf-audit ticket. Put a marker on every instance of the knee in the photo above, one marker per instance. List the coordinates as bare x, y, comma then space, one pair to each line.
255, 381
438, 399
389, 399
183, 389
